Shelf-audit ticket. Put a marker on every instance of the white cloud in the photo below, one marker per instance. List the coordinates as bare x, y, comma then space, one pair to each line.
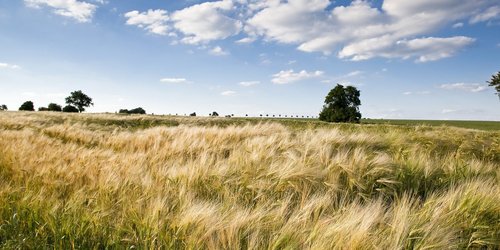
424, 49
154, 21
425, 92
218, 51
490, 14
470, 87
174, 80
354, 73
206, 22
249, 83
246, 40
447, 111
78, 10
9, 66
289, 76
361, 31
228, 93
458, 25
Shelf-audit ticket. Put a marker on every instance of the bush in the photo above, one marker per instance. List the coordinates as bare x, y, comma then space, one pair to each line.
27, 106
133, 111
70, 109
54, 107
3, 107
192, 114
43, 109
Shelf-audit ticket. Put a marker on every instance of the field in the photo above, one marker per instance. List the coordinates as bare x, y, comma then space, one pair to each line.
109, 181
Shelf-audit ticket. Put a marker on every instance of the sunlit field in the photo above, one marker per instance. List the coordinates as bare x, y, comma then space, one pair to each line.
110, 181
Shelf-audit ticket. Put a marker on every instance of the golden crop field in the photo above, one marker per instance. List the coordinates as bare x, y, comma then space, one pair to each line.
109, 181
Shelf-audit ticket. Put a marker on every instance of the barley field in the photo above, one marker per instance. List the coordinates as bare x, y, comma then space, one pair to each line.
98, 181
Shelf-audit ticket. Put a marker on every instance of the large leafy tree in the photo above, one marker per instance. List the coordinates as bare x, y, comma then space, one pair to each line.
3, 107
79, 100
341, 105
495, 82
27, 106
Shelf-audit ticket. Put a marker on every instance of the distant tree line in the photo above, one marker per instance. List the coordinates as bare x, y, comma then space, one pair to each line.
76, 103
133, 111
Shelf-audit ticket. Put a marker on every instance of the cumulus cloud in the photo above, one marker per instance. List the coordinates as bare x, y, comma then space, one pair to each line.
424, 49
228, 93
154, 21
174, 80
9, 66
79, 10
470, 87
206, 22
218, 51
289, 76
249, 83
363, 32
356, 31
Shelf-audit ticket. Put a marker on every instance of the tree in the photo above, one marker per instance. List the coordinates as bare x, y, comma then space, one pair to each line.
27, 106
3, 107
54, 107
192, 114
215, 114
137, 111
70, 109
79, 100
341, 105
43, 109
495, 82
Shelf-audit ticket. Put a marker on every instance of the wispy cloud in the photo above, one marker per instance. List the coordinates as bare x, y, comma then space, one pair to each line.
218, 51
249, 83
174, 80
228, 93
425, 92
289, 76
9, 66
470, 87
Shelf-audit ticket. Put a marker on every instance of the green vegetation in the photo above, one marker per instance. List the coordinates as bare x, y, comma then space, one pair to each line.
341, 105
98, 181
495, 82
27, 106
79, 100
482, 125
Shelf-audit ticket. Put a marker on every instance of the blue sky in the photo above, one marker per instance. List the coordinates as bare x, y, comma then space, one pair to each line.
411, 59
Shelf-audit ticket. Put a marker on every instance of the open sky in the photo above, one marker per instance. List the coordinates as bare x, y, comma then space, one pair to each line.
426, 59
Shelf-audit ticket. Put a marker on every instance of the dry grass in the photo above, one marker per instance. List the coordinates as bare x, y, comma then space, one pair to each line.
106, 181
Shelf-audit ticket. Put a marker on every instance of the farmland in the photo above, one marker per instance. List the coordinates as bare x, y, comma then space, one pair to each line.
119, 181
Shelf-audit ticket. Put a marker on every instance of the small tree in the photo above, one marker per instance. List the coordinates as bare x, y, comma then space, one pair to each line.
341, 105
495, 82
54, 107
3, 107
70, 109
215, 114
192, 114
79, 100
27, 106
137, 111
